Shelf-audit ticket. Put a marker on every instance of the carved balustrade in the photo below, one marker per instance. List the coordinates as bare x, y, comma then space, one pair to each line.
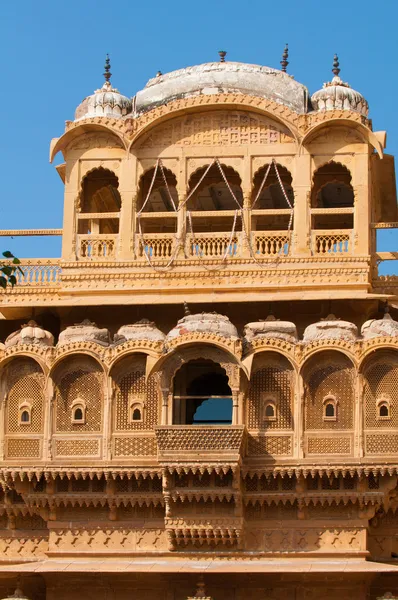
332, 241
156, 246
203, 442
212, 245
102, 246
39, 272
270, 243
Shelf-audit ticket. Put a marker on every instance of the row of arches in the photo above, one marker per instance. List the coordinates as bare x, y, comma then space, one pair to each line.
202, 390
331, 189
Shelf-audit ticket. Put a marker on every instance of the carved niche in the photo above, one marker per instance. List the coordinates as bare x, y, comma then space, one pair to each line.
218, 128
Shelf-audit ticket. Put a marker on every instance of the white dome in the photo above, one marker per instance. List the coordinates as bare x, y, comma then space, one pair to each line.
337, 94
142, 330
271, 328
380, 327
331, 328
86, 331
204, 323
105, 102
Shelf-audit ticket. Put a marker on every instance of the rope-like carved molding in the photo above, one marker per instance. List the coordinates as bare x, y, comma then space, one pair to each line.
384, 342
266, 343
233, 345
113, 353
304, 351
327, 499
51, 473
319, 469
83, 500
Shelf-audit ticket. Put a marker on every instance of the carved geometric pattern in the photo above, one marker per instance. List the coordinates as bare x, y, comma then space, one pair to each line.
199, 438
275, 445
23, 448
76, 447
275, 380
135, 446
218, 128
381, 380
331, 445
83, 381
25, 381
335, 377
386, 443
131, 387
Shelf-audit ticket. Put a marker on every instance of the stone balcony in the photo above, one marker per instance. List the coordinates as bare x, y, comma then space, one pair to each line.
207, 443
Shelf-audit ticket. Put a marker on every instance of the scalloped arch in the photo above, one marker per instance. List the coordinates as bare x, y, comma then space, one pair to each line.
73, 353
368, 135
273, 110
6, 360
373, 350
306, 358
60, 144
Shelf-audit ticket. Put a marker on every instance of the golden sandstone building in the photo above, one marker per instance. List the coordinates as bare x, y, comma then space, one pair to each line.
200, 398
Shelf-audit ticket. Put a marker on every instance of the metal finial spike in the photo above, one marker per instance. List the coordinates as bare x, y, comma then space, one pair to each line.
187, 312
285, 56
107, 73
222, 55
336, 65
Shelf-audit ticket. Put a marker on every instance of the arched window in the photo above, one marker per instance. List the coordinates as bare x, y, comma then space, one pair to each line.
202, 395
270, 412
330, 408
78, 412
25, 413
332, 189
136, 411
383, 409
99, 194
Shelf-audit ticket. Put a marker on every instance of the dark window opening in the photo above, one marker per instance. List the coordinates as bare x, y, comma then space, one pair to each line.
270, 411
136, 414
383, 410
25, 417
329, 410
78, 414
202, 395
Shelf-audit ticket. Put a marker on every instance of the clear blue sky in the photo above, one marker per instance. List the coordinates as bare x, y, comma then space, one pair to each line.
53, 54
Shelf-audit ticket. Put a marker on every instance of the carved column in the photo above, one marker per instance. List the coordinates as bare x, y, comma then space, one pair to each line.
165, 406
246, 223
109, 394
302, 204
362, 212
359, 437
49, 399
182, 224
235, 407
70, 203
300, 418
127, 186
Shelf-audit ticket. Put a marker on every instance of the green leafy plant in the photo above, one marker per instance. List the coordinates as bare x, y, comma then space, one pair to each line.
9, 270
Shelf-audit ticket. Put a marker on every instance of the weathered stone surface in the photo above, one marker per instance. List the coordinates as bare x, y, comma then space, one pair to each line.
204, 323
380, 327
86, 331
331, 328
271, 328
142, 330
31, 333
216, 78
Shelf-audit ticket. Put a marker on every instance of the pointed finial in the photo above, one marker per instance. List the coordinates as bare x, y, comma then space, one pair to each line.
159, 74
187, 312
107, 73
336, 65
222, 55
285, 56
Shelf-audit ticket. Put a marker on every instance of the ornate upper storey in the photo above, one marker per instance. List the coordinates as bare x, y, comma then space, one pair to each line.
222, 175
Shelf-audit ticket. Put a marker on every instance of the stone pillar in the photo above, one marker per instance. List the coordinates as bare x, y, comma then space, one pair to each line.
359, 418
246, 224
165, 406
300, 419
109, 393
48, 411
182, 224
127, 190
362, 212
70, 207
302, 204
235, 407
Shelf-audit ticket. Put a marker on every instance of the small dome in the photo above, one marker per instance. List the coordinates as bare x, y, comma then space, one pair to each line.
105, 102
331, 328
337, 94
271, 328
380, 327
86, 331
204, 323
30, 333
142, 330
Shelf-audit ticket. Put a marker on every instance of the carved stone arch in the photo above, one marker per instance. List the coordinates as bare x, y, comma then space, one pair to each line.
40, 358
202, 104
340, 346
174, 362
195, 165
330, 372
367, 135
372, 347
73, 134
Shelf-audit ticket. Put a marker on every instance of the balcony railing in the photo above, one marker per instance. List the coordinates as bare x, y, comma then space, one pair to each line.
98, 246
46, 272
332, 241
156, 245
270, 243
212, 245
220, 442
